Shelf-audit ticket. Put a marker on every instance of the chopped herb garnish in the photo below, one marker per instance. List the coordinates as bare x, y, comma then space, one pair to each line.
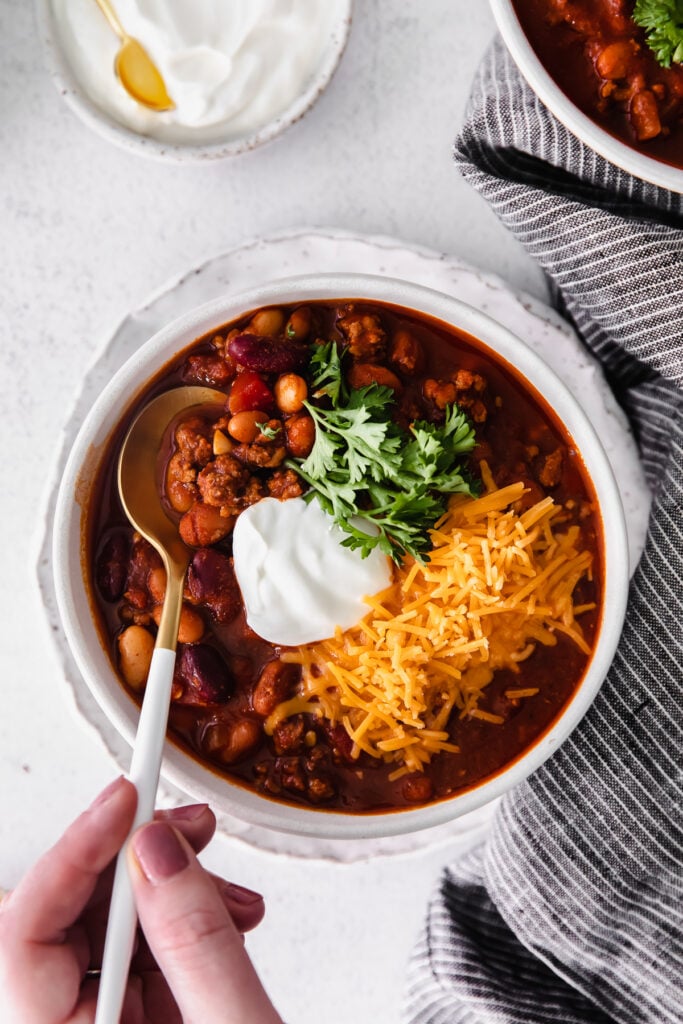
383, 485
269, 432
663, 24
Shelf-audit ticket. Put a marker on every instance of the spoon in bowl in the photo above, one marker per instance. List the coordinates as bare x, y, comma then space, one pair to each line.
136, 70
138, 490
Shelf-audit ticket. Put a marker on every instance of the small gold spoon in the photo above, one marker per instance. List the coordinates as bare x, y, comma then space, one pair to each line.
139, 493
136, 70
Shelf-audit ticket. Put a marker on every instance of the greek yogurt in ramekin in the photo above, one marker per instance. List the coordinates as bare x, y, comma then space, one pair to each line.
238, 71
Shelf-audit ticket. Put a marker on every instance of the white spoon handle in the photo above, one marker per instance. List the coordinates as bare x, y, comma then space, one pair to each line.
144, 773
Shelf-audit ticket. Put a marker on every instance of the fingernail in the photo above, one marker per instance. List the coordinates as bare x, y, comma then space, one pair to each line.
241, 895
107, 793
188, 813
159, 852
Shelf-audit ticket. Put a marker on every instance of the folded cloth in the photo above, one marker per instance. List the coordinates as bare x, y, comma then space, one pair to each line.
572, 910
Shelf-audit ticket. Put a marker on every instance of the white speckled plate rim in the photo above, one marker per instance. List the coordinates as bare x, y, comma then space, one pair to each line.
331, 251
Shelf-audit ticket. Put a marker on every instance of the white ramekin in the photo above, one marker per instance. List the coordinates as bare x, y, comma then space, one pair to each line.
114, 131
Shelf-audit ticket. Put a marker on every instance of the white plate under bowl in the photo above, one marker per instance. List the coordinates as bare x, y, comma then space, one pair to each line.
335, 251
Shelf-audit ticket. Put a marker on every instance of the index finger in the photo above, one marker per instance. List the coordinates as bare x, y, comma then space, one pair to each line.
56, 889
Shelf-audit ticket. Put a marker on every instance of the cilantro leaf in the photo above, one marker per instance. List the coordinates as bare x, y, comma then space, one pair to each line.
385, 486
663, 24
326, 372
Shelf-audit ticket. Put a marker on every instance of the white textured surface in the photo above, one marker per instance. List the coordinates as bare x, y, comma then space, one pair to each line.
87, 232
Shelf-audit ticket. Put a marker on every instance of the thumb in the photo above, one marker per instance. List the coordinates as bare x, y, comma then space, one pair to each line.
191, 934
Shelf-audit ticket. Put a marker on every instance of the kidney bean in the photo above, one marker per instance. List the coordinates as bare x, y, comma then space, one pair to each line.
300, 435
250, 391
204, 676
136, 646
268, 355
204, 525
112, 567
275, 684
211, 582
142, 560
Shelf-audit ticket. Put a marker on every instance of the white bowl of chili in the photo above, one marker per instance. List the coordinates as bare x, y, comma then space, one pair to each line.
598, 76
373, 785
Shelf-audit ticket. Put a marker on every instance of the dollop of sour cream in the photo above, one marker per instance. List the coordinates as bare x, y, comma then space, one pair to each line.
230, 66
298, 583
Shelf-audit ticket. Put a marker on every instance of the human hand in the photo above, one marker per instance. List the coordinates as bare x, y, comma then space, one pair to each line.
190, 965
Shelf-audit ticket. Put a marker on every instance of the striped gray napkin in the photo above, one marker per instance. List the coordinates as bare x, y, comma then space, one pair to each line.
572, 911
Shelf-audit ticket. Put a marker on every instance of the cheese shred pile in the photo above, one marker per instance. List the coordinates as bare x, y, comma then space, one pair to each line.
497, 583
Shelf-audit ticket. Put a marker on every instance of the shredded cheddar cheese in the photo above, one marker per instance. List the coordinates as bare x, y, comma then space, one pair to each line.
497, 583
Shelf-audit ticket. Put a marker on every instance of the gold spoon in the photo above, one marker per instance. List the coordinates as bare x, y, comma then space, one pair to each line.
139, 493
136, 70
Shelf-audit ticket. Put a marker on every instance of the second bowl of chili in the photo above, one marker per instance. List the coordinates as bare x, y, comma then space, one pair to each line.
591, 65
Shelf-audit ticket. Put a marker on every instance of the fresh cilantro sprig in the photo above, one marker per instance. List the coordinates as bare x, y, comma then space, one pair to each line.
383, 485
663, 24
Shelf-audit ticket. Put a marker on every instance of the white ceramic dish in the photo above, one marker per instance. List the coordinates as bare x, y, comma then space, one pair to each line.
636, 163
72, 594
71, 88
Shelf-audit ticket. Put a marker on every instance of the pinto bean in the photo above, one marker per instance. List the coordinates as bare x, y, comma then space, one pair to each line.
300, 435
290, 392
363, 374
267, 323
204, 525
268, 355
299, 323
190, 627
275, 684
156, 584
245, 426
233, 739
136, 646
